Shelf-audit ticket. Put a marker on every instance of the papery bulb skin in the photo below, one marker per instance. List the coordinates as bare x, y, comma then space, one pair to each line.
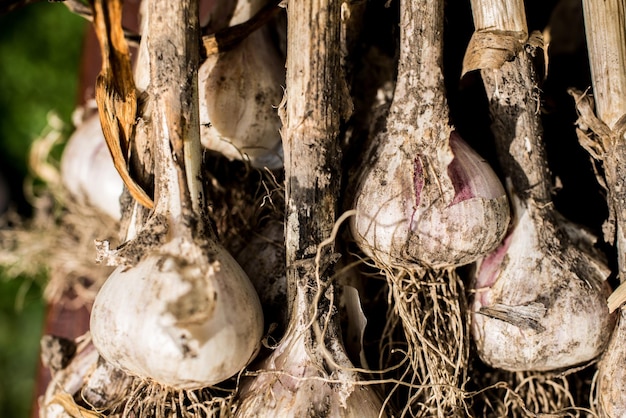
540, 299
240, 91
183, 325
87, 169
404, 217
611, 382
294, 386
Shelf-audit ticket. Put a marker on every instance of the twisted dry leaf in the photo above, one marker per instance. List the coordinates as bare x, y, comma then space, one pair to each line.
115, 92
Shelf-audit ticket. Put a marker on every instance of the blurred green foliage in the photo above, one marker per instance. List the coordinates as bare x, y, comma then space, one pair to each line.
21, 313
40, 47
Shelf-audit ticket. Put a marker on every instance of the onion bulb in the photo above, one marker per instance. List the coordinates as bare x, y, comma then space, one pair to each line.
240, 90
87, 169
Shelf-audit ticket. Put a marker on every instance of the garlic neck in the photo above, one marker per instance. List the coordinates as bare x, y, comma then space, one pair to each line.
419, 97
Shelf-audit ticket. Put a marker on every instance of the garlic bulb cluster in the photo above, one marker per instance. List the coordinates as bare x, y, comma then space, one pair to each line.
185, 324
540, 299
406, 216
240, 90
87, 169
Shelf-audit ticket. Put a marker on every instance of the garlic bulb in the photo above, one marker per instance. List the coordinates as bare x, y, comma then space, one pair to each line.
240, 91
181, 316
178, 310
404, 216
611, 376
301, 378
58, 400
540, 299
87, 169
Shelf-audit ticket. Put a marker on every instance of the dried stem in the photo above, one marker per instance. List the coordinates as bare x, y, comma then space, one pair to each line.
500, 15
419, 97
514, 97
605, 28
316, 102
604, 138
173, 90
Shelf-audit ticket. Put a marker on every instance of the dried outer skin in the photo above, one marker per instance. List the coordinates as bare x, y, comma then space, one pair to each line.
67, 381
405, 218
294, 380
540, 299
186, 324
612, 374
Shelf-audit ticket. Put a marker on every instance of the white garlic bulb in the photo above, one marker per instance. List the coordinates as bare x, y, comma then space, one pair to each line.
240, 91
184, 324
540, 299
405, 215
87, 169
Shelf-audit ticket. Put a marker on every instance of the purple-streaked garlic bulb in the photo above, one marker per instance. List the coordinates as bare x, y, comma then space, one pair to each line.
540, 298
240, 90
446, 209
87, 169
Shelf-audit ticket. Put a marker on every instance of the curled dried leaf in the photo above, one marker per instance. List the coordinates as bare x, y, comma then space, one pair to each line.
489, 49
115, 92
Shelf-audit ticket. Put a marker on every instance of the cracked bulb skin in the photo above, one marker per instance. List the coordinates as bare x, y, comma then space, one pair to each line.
540, 299
404, 216
184, 325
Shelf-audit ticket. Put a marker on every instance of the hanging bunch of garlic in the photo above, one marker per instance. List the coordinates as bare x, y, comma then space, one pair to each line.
240, 90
